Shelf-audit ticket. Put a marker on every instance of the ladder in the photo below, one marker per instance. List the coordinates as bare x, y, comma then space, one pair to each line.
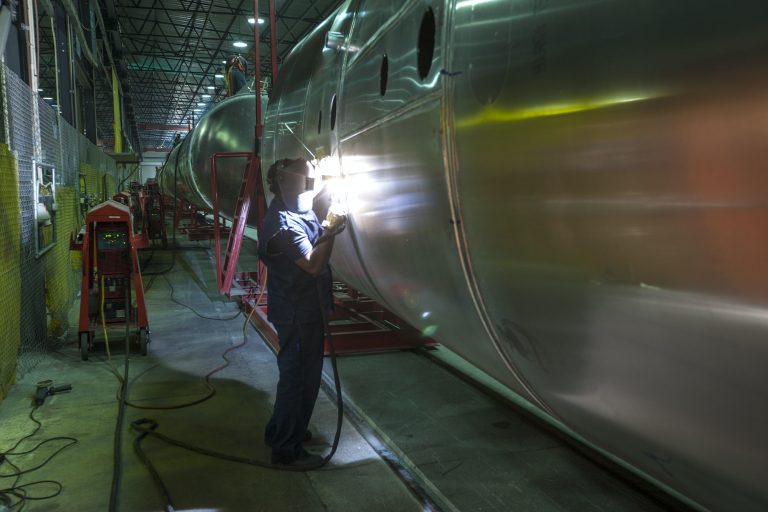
225, 272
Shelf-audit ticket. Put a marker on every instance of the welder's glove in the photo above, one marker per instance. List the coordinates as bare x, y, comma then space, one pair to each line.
334, 224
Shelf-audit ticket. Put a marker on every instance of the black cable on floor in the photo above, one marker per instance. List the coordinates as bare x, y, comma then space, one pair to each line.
15, 496
211, 390
195, 312
160, 272
206, 380
117, 464
148, 427
144, 264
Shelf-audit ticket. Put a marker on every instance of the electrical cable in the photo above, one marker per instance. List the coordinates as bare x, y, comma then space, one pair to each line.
120, 396
148, 260
148, 427
137, 441
164, 271
195, 312
112, 366
19, 492
118, 438
206, 380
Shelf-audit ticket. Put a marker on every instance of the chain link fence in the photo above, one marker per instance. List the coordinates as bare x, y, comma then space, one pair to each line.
33, 133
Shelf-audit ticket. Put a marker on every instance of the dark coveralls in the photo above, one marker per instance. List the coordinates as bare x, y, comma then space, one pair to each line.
294, 308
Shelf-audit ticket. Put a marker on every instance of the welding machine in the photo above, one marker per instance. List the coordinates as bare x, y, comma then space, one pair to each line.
110, 265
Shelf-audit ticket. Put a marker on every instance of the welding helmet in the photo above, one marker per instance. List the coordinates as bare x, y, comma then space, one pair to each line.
296, 182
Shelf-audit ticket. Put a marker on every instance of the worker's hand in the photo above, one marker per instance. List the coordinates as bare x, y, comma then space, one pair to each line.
334, 224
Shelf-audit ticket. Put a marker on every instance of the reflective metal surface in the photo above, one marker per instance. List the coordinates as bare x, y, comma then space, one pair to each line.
571, 195
227, 127
611, 166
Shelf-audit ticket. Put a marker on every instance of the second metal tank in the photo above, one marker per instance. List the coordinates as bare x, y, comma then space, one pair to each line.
228, 127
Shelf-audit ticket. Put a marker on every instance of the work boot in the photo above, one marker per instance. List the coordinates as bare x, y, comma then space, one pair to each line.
307, 437
305, 460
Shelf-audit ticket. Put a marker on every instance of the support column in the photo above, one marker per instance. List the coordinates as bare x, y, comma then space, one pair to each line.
63, 66
117, 126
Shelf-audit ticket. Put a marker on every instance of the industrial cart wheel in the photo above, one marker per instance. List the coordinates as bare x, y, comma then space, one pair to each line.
84, 345
143, 340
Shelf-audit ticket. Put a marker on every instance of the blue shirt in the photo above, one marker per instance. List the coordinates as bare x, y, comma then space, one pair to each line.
293, 295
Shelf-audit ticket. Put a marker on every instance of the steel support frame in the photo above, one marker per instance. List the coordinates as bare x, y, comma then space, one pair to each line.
225, 271
358, 325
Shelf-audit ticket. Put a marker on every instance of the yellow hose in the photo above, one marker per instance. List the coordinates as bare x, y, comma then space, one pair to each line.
106, 337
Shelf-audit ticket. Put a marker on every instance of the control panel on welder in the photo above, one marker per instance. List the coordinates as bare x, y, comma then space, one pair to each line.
113, 248
112, 239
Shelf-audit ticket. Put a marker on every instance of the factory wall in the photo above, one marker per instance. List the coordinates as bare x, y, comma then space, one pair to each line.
38, 288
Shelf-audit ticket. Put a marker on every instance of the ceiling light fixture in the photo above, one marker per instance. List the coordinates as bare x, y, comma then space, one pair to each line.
206, 96
253, 21
240, 44
218, 76
210, 87
201, 104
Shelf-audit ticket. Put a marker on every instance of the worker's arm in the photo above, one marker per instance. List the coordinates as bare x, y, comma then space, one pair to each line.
316, 260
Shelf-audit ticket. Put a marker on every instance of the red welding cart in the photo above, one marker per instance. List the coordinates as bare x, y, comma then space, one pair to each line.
110, 265
154, 214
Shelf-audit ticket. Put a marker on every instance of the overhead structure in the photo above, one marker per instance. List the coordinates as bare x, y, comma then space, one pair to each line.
171, 55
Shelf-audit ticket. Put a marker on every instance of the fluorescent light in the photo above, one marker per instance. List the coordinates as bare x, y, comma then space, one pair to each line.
210, 87
39, 90
218, 76
206, 96
240, 44
201, 104
48, 98
253, 22
223, 62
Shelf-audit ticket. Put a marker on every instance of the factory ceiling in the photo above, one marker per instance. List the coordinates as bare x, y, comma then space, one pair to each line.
168, 53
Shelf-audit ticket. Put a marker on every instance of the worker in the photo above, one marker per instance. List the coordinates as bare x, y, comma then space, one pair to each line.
296, 249
234, 74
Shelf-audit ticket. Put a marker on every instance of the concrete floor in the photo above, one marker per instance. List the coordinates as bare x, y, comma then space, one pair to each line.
466, 451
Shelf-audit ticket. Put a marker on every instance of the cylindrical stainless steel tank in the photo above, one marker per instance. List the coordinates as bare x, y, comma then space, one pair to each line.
228, 127
570, 195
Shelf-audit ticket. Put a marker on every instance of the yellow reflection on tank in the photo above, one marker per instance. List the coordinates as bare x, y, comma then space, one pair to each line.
497, 115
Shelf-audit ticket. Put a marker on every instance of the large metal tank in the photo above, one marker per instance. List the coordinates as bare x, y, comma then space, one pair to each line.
571, 195
228, 127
